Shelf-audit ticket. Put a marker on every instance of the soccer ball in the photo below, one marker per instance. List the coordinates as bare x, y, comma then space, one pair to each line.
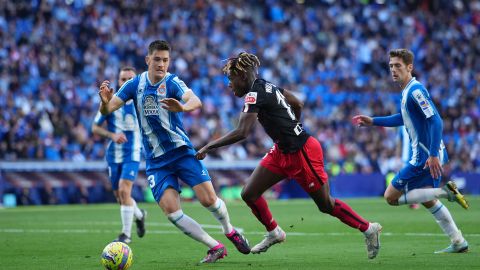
117, 256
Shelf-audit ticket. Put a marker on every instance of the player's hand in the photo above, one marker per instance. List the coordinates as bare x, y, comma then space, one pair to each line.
433, 163
362, 120
119, 138
106, 92
202, 153
172, 105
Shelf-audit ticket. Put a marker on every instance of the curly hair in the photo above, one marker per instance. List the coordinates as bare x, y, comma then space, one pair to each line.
242, 63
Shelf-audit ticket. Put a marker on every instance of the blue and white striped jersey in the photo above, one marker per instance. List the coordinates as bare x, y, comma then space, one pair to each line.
122, 120
162, 130
405, 143
416, 108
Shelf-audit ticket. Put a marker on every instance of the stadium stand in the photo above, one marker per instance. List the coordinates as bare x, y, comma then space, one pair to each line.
332, 54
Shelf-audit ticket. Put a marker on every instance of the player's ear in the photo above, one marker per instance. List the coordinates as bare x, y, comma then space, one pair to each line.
147, 60
410, 67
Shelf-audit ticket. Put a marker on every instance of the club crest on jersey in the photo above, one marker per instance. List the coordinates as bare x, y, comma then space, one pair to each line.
251, 98
162, 89
150, 106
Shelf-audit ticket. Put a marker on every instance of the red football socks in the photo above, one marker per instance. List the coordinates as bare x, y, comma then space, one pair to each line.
263, 214
346, 214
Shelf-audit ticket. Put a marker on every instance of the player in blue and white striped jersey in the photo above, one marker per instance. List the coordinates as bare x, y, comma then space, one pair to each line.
123, 158
418, 180
160, 98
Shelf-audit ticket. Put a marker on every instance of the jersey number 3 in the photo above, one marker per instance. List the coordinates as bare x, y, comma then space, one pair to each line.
151, 180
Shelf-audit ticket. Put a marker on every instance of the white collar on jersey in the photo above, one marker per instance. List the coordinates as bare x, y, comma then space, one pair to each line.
410, 82
158, 83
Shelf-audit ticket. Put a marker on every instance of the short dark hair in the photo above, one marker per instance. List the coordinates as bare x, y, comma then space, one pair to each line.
128, 68
405, 54
158, 45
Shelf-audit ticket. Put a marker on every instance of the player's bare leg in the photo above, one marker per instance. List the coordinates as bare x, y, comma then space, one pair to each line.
261, 180
347, 215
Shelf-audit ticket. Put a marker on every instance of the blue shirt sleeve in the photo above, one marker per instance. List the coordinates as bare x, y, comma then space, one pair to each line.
128, 90
99, 119
435, 125
422, 100
395, 120
178, 88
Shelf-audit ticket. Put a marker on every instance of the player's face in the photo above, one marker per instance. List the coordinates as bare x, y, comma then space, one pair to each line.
238, 84
399, 70
124, 76
158, 63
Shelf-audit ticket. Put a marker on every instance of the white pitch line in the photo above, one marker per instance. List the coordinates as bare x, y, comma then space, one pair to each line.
86, 231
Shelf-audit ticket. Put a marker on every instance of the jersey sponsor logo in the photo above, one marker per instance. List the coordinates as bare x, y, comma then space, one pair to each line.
162, 89
150, 106
251, 98
423, 103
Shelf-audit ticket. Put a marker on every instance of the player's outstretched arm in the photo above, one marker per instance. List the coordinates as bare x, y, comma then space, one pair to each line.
108, 102
362, 120
245, 125
395, 120
294, 102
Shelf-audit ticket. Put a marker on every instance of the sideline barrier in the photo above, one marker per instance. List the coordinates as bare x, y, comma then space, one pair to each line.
37, 182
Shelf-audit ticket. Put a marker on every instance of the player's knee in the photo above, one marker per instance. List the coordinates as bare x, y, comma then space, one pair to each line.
208, 200
123, 195
248, 196
326, 208
390, 200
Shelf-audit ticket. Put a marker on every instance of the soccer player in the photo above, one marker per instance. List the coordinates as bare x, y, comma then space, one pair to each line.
295, 155
418, 180
123, 158
160, 98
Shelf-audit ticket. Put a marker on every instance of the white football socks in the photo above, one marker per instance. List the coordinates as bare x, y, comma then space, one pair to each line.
219, 211
191, 228
445, 221
137, 213
422, 195
126, 213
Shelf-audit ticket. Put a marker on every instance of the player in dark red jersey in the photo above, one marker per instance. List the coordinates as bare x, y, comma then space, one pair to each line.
295, 155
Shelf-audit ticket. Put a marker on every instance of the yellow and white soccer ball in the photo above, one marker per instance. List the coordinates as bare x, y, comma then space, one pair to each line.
117, 256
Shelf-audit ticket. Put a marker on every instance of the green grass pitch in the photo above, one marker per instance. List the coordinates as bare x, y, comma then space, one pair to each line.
72, 237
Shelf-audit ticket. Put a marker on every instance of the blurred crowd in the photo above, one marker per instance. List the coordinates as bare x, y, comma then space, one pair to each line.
332, 54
